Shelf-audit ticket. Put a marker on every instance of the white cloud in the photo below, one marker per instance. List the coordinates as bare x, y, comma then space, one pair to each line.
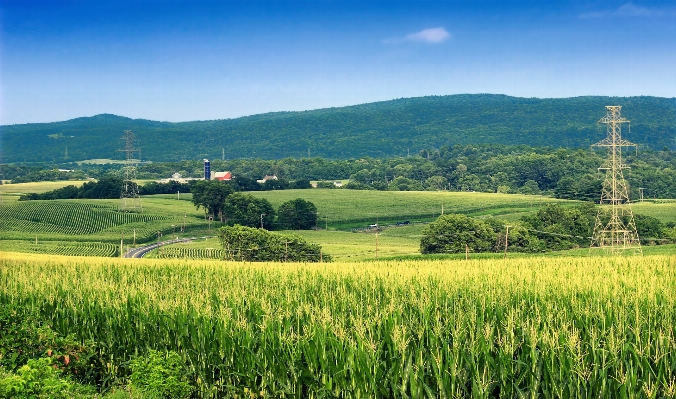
432, 35
626, 10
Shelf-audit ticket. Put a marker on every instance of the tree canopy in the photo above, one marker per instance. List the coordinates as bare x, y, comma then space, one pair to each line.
297, 214
211, 195
252, 244
451, 233
247, 210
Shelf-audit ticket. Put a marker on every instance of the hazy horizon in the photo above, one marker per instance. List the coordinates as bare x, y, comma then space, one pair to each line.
181, 61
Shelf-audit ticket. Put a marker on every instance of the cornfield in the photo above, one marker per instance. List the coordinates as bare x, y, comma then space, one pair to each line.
529, 327
65, 217
61, 248
170, 252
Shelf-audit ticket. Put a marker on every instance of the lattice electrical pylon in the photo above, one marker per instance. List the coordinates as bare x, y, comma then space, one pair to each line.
130, 201
615, 229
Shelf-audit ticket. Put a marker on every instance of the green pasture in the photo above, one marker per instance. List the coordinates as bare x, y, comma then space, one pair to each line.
352, 208
10, 193
665, 211
37, 187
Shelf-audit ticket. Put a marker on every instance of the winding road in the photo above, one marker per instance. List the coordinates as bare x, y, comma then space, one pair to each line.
141, 251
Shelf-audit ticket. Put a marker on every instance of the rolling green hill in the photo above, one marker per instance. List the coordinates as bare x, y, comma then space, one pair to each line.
379, 129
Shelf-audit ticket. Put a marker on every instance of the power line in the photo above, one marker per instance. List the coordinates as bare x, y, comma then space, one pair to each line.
610, 231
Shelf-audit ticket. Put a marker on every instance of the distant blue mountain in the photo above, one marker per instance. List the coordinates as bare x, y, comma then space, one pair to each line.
381, 129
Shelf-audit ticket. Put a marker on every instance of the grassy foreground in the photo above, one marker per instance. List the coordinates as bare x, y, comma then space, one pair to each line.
528, 327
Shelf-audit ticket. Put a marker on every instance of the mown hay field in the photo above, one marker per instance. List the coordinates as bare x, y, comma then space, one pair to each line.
527, 327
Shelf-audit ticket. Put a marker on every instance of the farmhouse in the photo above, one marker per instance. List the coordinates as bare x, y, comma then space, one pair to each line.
266, 178
177, 178
223, 176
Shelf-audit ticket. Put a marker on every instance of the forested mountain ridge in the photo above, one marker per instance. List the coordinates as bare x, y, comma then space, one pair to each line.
381, 129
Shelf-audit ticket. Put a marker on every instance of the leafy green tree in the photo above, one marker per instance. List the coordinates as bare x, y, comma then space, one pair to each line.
300, 184
211, 195
247, 210
251, 244
562, 228
649, 229
325, 184
451, 233
405, 184
355, 185
530, 187
436, 183
297, 214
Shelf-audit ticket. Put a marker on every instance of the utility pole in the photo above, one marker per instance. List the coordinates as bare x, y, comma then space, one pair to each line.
611, 233
211, 219
640, 189
326, 220
121, 245
134, 236
466, 252
442, 207
262, 214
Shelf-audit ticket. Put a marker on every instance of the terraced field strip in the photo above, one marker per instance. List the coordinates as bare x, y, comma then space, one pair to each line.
180, 252
65, 217
60, 248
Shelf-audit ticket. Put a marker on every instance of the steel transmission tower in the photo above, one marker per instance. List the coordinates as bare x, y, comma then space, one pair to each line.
615, 229
130, 201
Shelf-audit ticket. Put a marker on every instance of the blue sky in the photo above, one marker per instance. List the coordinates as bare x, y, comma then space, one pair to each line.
181, 61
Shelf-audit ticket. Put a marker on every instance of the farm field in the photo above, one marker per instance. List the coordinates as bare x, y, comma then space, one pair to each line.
10, 193
341, 245
532, 327
352, 208
665, 211
396, 243
98, 221
90, 224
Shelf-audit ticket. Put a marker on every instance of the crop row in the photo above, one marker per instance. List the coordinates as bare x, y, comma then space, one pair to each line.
65, 217
173, 252
529, 327
60, 248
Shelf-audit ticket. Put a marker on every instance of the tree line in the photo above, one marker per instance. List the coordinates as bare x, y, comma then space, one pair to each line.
562, 173
551, 228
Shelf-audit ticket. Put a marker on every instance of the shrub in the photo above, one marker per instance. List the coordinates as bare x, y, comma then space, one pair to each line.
249, 244
40, 378
451, 233
160, 375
